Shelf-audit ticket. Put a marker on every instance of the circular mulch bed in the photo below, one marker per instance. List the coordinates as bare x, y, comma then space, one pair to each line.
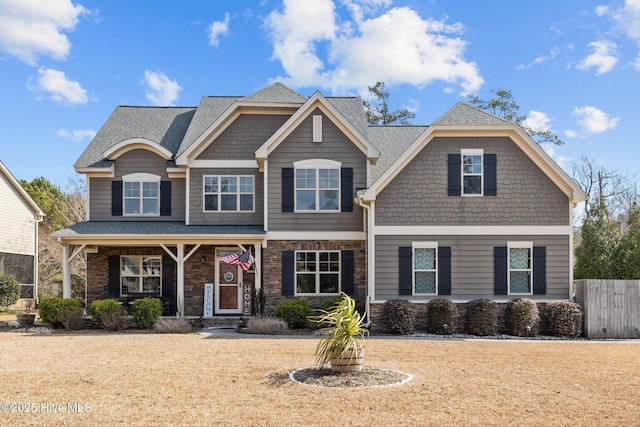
367, 378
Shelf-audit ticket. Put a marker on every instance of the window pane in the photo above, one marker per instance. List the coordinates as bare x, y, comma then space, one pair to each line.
306, 283
130, 266
425, 258
425, 282
149, 189
472, 184
228, 184
130, 284
328, 200
132, 206
520, 282
151, 266
211, 203
229, 202
472, 164
328, 283
305, 200
210, 184
150, 206
131, 189
519, 258
246, 184
246, 202
151, 285
305, 178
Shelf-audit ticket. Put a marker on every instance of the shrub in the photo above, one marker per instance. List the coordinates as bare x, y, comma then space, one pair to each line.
146, 311
50, 309
521, 317
482, 317
9, 290
294, 312
442, 312
564, 318
399, 316
173, 326
265, 325
259, 301
71, 318
113, 321
330, 303
101, 307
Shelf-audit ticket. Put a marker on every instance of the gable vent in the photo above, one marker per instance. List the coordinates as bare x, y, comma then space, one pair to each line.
317, 128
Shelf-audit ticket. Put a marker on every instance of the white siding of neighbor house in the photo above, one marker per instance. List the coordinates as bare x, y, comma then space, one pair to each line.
17, 224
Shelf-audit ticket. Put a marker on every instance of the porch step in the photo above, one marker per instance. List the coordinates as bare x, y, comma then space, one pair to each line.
222, 322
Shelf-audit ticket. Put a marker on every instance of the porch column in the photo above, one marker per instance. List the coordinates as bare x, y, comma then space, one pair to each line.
257, 259
66, 272
180, 284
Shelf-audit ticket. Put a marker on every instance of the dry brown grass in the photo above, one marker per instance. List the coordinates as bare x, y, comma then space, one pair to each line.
150, 379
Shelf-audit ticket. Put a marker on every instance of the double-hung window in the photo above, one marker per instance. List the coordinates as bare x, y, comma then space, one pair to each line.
472, 172
425, 268
317, 272
141, 194
317, 186
228, 193
520, 270
140, 274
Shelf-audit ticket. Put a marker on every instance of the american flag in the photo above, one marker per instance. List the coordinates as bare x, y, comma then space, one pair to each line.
244, 261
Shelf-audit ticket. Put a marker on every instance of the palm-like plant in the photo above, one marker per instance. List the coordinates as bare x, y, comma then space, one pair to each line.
344, 335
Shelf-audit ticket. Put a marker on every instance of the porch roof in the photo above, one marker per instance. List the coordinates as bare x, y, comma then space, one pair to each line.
159, 231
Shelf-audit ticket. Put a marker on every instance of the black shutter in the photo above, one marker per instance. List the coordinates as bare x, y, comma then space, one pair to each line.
454, 163
346, 261
444, 270
114, 276
346, 189
168, 268
288, 272
116, 198
405, 273
165, 198
539, 270
288, 190
490, 176
500, 270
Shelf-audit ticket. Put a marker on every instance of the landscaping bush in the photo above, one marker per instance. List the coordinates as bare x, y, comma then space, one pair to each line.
173, 326
442, 316
50, 309
71, 318
9, 290
101, 307
265, 325
114, 321
521, 317
146, 311
295, 312
564, 319
399, 316
482, 317
330, 303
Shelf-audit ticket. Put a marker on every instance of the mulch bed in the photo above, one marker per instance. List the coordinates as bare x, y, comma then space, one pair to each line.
368, 377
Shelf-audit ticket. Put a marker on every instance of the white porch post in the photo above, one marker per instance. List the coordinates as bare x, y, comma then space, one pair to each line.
66, 272
180, 284
257, 259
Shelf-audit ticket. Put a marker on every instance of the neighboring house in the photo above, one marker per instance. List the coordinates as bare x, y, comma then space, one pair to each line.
468, 207
19, 234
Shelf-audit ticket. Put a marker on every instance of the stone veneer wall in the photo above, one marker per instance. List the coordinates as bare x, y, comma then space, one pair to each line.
272, 269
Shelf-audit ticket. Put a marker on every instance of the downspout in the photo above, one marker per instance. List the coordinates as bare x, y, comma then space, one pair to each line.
36, 258
369, 250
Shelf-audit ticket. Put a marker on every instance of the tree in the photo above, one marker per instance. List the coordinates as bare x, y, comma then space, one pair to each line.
627, 254
503, 105
380, 114
9, 290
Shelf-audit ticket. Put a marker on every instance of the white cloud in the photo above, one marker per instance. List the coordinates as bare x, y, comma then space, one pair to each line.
627, 19
594, 120
636, 63
550, 149
30, 28
61, 89
76, 135
538, 121
604, 57
543, 58
601, 10
217, 29
162, 90
570, 133
397, 46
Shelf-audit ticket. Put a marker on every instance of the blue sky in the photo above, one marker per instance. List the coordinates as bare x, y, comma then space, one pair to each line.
572, 66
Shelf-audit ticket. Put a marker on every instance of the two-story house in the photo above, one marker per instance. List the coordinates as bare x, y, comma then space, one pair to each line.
468, 207
19, 234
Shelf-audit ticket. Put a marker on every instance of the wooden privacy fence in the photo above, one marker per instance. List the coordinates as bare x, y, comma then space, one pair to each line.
611, 308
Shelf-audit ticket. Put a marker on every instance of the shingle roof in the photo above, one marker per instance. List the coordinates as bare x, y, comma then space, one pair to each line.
465, 114
392, 142
278, 93
164, 125
142, 228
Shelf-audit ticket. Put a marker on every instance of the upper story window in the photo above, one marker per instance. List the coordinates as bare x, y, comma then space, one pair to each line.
472, 172
317, 185
228, 193
141, 194
520, 270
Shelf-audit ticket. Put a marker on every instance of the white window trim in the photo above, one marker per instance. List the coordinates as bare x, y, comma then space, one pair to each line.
238, 194
317, 164
519, 245
471, 152
318, 273
317, 128
422, 245
140, 276
140, 178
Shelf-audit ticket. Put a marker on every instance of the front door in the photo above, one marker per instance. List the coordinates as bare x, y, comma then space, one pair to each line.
228, 294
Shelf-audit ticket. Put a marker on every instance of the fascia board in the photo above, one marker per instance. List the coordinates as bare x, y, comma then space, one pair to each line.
126, 145
146, 239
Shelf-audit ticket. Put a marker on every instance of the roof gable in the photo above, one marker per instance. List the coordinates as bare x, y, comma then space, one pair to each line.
21, 191
276, 92
465, 114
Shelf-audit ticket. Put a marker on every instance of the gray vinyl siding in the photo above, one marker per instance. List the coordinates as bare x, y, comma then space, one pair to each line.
135, 161
418, 194
471, 265
243, 137
197, 215
298, 146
